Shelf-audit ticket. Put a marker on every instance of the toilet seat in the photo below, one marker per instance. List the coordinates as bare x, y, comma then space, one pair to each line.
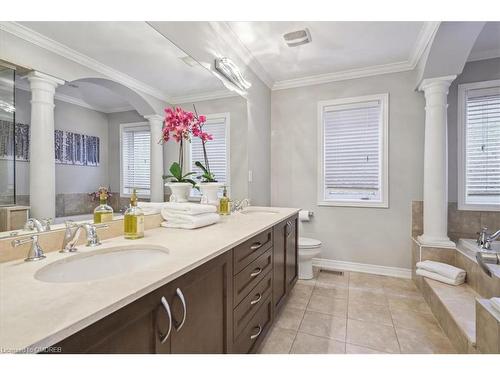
308, 243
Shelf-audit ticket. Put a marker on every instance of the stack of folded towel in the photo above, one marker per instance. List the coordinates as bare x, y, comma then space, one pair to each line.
495, 302
151, 207
441, 272
188, 215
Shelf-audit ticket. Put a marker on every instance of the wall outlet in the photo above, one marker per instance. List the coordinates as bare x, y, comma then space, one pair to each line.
250, 176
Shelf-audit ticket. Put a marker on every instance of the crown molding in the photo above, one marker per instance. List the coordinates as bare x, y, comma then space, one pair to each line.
219, 94
237, 46
60, 49
23, 85
343, 75
484, 55
425, 36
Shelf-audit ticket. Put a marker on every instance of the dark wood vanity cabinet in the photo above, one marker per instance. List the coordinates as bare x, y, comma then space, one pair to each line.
226, 305
285, 266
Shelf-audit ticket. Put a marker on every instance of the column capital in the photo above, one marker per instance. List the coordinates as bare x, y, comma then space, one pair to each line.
436, 83
36, 76
154, 117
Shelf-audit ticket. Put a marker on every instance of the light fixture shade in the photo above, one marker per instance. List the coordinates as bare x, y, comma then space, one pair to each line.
229, 70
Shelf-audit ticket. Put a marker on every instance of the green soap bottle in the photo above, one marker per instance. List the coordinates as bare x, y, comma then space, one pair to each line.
133, 220
224, 204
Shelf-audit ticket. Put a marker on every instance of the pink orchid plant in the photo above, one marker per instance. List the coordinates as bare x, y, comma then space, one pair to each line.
181, 126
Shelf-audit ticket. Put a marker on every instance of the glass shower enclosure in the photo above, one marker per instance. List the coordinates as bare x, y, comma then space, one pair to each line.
7, 136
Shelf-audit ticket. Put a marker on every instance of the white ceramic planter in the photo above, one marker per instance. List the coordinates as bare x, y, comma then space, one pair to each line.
180, 191
209, 192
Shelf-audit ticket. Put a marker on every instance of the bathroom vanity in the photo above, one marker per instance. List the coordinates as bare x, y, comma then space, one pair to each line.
217, 291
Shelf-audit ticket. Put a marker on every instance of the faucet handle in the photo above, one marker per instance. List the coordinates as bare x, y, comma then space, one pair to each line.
92, 237
46, 223
35, 252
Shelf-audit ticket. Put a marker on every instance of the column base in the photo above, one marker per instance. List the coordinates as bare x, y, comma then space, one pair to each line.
431, 241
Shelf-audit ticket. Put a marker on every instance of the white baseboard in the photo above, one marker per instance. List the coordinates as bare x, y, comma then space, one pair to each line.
328, 264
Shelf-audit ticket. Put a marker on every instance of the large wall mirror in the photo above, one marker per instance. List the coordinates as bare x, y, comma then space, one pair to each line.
112, 82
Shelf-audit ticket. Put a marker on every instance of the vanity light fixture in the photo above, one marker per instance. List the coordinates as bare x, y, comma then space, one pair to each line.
228, 69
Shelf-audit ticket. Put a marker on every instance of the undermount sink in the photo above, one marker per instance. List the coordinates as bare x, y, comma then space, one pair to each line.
258, 211
101, 264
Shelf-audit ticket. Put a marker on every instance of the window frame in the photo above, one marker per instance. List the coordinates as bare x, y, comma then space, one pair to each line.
123, 126
461, 164
384, 151
187, 152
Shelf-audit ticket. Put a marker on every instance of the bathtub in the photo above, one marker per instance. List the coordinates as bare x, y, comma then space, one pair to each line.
469, 248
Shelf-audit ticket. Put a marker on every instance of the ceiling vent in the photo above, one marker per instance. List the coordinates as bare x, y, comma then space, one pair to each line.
297, 38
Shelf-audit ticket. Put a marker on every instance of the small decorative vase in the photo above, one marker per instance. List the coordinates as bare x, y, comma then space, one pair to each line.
209, 192
180, 191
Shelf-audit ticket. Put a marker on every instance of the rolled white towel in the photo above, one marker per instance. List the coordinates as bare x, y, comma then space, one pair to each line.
151, 207
188, 208
442, 269
495, 302
189, 221
441, 278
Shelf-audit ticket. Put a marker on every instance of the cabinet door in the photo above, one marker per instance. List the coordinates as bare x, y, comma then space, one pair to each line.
279, 253
136, 328
291, 252
202, 308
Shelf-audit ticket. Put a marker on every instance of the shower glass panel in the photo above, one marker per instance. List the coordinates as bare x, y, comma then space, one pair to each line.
7, 139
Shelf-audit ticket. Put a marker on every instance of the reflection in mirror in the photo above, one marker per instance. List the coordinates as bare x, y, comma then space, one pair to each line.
108, 119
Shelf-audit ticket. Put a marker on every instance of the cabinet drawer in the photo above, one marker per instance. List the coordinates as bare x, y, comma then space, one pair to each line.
255, 330
248, 251
251, 303
247, 279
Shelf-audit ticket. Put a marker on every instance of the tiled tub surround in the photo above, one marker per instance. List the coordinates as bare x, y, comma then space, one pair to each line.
72, 204
39, 314
457, 307
356, 313
461, 223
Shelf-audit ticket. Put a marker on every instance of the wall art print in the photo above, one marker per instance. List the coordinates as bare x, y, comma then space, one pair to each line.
70, 148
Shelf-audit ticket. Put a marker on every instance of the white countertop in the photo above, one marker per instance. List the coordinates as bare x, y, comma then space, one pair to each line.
36, 314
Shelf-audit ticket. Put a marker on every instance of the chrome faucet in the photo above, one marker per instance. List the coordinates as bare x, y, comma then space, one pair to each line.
484, 240
72, 234
42, 225
240, 205
35, 252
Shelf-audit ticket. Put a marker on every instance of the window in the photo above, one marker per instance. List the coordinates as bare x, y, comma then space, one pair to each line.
353, 152
217, 149
479, 146
135, 159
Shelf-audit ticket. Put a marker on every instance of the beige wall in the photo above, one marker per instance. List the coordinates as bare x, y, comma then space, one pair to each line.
364, 235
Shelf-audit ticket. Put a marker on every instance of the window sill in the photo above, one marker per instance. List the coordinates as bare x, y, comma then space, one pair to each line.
353, 204
478, 207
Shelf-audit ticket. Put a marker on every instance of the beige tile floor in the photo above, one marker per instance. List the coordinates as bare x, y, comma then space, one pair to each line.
355, 313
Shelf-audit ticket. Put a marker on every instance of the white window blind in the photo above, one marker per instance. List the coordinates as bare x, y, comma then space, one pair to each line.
482, 145
353, 151
217, 149
136, 160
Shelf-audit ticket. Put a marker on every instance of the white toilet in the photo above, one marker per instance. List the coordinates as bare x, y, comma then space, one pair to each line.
309, 248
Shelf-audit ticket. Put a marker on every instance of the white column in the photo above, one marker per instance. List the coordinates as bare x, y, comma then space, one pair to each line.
157, 190
436, 162
42, 156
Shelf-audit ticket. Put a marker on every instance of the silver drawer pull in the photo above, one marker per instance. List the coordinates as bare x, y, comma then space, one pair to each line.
255, 246
183, 300
164, 337
256, 272
253, 337
257, 300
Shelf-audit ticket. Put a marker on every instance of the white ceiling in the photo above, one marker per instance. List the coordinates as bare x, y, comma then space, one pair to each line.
133, 48
488, 42
335, 47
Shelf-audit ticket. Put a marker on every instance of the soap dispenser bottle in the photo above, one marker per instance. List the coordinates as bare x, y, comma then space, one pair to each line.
133, 220
103, 212
224, 204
